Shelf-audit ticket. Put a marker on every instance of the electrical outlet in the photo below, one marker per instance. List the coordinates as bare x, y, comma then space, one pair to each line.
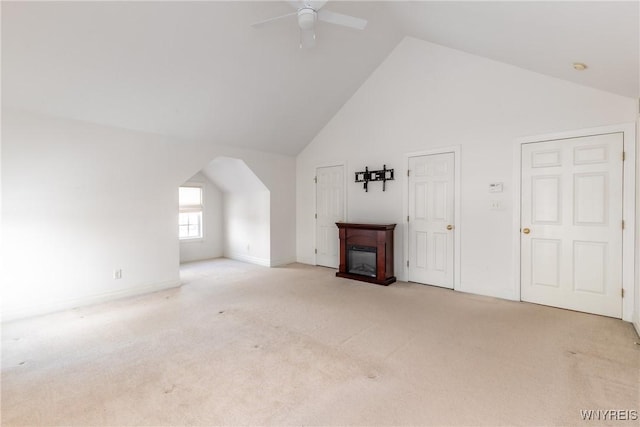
117, 274
495, 205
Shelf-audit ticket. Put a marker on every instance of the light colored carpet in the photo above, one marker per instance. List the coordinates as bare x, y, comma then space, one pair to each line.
242, 344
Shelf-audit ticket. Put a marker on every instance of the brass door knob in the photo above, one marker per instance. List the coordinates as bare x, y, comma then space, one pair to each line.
526, 231
449, 227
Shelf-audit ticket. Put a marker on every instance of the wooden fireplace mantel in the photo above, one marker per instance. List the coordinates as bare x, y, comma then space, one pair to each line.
378, 236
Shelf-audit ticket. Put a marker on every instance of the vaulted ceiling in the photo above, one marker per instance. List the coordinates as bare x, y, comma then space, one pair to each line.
198, 70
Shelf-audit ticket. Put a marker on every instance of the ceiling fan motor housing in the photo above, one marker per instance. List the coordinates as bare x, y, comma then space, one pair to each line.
306, 18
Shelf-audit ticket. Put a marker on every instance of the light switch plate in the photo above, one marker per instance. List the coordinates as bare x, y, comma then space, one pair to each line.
495, 187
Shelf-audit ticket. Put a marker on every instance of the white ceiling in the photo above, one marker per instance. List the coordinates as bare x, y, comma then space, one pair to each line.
543, 36
199, 70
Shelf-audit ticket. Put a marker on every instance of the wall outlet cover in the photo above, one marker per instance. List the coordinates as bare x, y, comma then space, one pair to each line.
495, 187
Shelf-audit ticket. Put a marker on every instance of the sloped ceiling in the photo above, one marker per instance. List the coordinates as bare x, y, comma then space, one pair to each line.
198, 70
542, 36
194, 70
233, 176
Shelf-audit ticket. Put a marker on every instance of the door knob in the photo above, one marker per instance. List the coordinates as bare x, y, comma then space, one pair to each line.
526, 231
449, 227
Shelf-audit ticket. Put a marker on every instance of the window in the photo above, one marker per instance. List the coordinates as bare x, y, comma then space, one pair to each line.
190, 219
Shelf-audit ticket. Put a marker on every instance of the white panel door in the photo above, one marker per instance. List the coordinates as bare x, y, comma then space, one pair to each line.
431, 219
329, 210
571, 240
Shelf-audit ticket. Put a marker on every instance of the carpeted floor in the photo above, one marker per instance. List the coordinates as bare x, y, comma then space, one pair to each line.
245, 345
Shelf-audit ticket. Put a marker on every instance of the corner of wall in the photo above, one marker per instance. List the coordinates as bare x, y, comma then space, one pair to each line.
282, 262
636, 308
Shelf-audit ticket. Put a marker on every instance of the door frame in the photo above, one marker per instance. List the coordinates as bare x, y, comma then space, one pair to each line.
455, 149
315, 200
628, 205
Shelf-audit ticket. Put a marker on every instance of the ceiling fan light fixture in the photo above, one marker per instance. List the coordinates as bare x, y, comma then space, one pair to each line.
308, 12
306, 18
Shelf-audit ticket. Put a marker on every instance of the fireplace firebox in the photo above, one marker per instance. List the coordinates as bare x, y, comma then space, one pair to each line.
366, 252
362, 260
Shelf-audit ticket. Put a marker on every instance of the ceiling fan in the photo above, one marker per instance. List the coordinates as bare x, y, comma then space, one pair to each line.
310, 11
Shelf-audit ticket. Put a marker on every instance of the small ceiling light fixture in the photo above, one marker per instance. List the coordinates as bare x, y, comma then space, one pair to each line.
579, 66
307, 18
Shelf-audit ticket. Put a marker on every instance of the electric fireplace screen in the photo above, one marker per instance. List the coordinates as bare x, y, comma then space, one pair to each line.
362, 260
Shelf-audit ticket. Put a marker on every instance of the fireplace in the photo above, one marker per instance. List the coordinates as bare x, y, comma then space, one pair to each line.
366, 252
362, 260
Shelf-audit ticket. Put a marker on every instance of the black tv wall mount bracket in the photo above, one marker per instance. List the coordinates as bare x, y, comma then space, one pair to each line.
383, 175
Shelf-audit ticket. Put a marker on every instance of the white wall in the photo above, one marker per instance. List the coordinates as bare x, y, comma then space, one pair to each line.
246, 207
426, 96
282, 211
277, 173
246, 224
80, 200
212, 243
636, 310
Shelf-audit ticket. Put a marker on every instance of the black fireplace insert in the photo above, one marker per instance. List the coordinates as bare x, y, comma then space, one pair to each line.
362, 260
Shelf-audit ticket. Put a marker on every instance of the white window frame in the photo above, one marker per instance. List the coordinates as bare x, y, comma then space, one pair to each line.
192, 209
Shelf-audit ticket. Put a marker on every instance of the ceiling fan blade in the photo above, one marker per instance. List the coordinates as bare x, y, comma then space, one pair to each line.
341, 19
266, 21
307, 38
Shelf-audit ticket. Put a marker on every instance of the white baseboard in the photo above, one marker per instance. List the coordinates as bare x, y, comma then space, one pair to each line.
306, 260
8, 315
266, 262
250, 259
199, 258
506, 294
187, 261
282, 261
636, 325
